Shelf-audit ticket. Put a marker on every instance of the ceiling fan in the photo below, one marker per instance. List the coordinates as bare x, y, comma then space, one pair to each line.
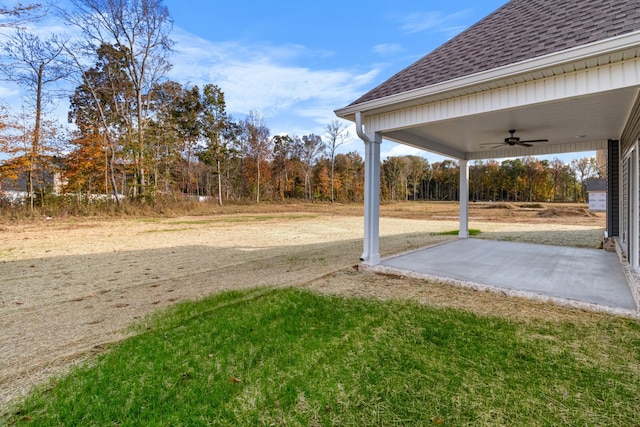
514, 140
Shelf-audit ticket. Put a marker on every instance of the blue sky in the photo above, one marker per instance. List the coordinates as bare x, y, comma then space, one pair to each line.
296, 62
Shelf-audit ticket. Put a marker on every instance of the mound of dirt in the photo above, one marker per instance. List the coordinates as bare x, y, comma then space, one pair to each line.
565, 212
69, 287
498, 205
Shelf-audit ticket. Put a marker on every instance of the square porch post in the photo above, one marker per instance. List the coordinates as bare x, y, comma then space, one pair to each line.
371, 253
613, 188
464, 199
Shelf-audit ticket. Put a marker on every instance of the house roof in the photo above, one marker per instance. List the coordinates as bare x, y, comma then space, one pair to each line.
518, 31
596, 185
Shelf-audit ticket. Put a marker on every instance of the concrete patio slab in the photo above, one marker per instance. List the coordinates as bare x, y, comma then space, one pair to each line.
589, 276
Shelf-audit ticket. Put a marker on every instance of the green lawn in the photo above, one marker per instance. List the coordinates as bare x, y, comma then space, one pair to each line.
293, 357
471, 231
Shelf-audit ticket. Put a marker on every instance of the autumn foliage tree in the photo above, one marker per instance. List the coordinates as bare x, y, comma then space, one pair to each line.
87, 166
141, 136
14, 143
100, 106
282, 150
137, 33
34, 65
217, 132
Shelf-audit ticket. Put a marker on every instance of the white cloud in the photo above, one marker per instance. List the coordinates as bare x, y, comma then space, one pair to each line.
271, 88
268, 78
391, 149
388, 49
432, 21
7, 92
420, 21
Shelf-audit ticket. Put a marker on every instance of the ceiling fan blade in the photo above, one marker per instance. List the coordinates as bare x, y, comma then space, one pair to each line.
534, 140
491, 146
524, 144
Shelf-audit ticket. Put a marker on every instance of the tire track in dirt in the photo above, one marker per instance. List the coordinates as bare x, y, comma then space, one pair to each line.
71, 303
68, 290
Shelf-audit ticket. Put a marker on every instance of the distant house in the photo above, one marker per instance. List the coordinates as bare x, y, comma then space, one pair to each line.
597, 190
47, 177
535, 77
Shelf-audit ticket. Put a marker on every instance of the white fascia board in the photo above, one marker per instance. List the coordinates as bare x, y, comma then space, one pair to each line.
573, 55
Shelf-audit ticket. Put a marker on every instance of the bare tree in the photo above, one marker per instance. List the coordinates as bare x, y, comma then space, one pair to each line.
312, 146
139, 29
33, 64
256, 135
337, 135
396, 172
20, 14
417, 171
584, 168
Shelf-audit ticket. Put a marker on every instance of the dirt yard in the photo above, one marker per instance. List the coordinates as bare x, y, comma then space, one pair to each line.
69, 287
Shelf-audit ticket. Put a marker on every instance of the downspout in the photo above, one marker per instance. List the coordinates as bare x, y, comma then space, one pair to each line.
359, 128
366, 140
371, 252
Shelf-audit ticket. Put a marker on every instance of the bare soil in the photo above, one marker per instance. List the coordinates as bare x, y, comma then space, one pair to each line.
71, 286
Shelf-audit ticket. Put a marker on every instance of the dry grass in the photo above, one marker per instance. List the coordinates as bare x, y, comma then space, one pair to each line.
350, 282
71, 285
567, 212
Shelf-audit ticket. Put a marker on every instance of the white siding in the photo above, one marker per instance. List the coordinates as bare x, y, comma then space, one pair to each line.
629, 218
625, 201
631, 132
578, 83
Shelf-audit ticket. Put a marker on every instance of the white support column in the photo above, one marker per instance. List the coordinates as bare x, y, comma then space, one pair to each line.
464, 199
371, 253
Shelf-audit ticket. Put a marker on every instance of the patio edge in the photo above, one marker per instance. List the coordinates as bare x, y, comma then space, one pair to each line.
633, 281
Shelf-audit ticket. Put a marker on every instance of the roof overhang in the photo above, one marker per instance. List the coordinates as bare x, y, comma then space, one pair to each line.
577, 98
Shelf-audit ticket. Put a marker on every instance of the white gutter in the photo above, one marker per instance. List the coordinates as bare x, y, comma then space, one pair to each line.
580, 53
359, 128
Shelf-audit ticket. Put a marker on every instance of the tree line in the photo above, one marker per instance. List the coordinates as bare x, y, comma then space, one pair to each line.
139, 136
515, 180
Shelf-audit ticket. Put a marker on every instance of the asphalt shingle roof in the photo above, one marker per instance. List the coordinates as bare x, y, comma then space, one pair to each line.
519, 30
596, 184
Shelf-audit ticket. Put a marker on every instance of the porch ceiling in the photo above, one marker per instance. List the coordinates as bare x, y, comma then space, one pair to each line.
581, 123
